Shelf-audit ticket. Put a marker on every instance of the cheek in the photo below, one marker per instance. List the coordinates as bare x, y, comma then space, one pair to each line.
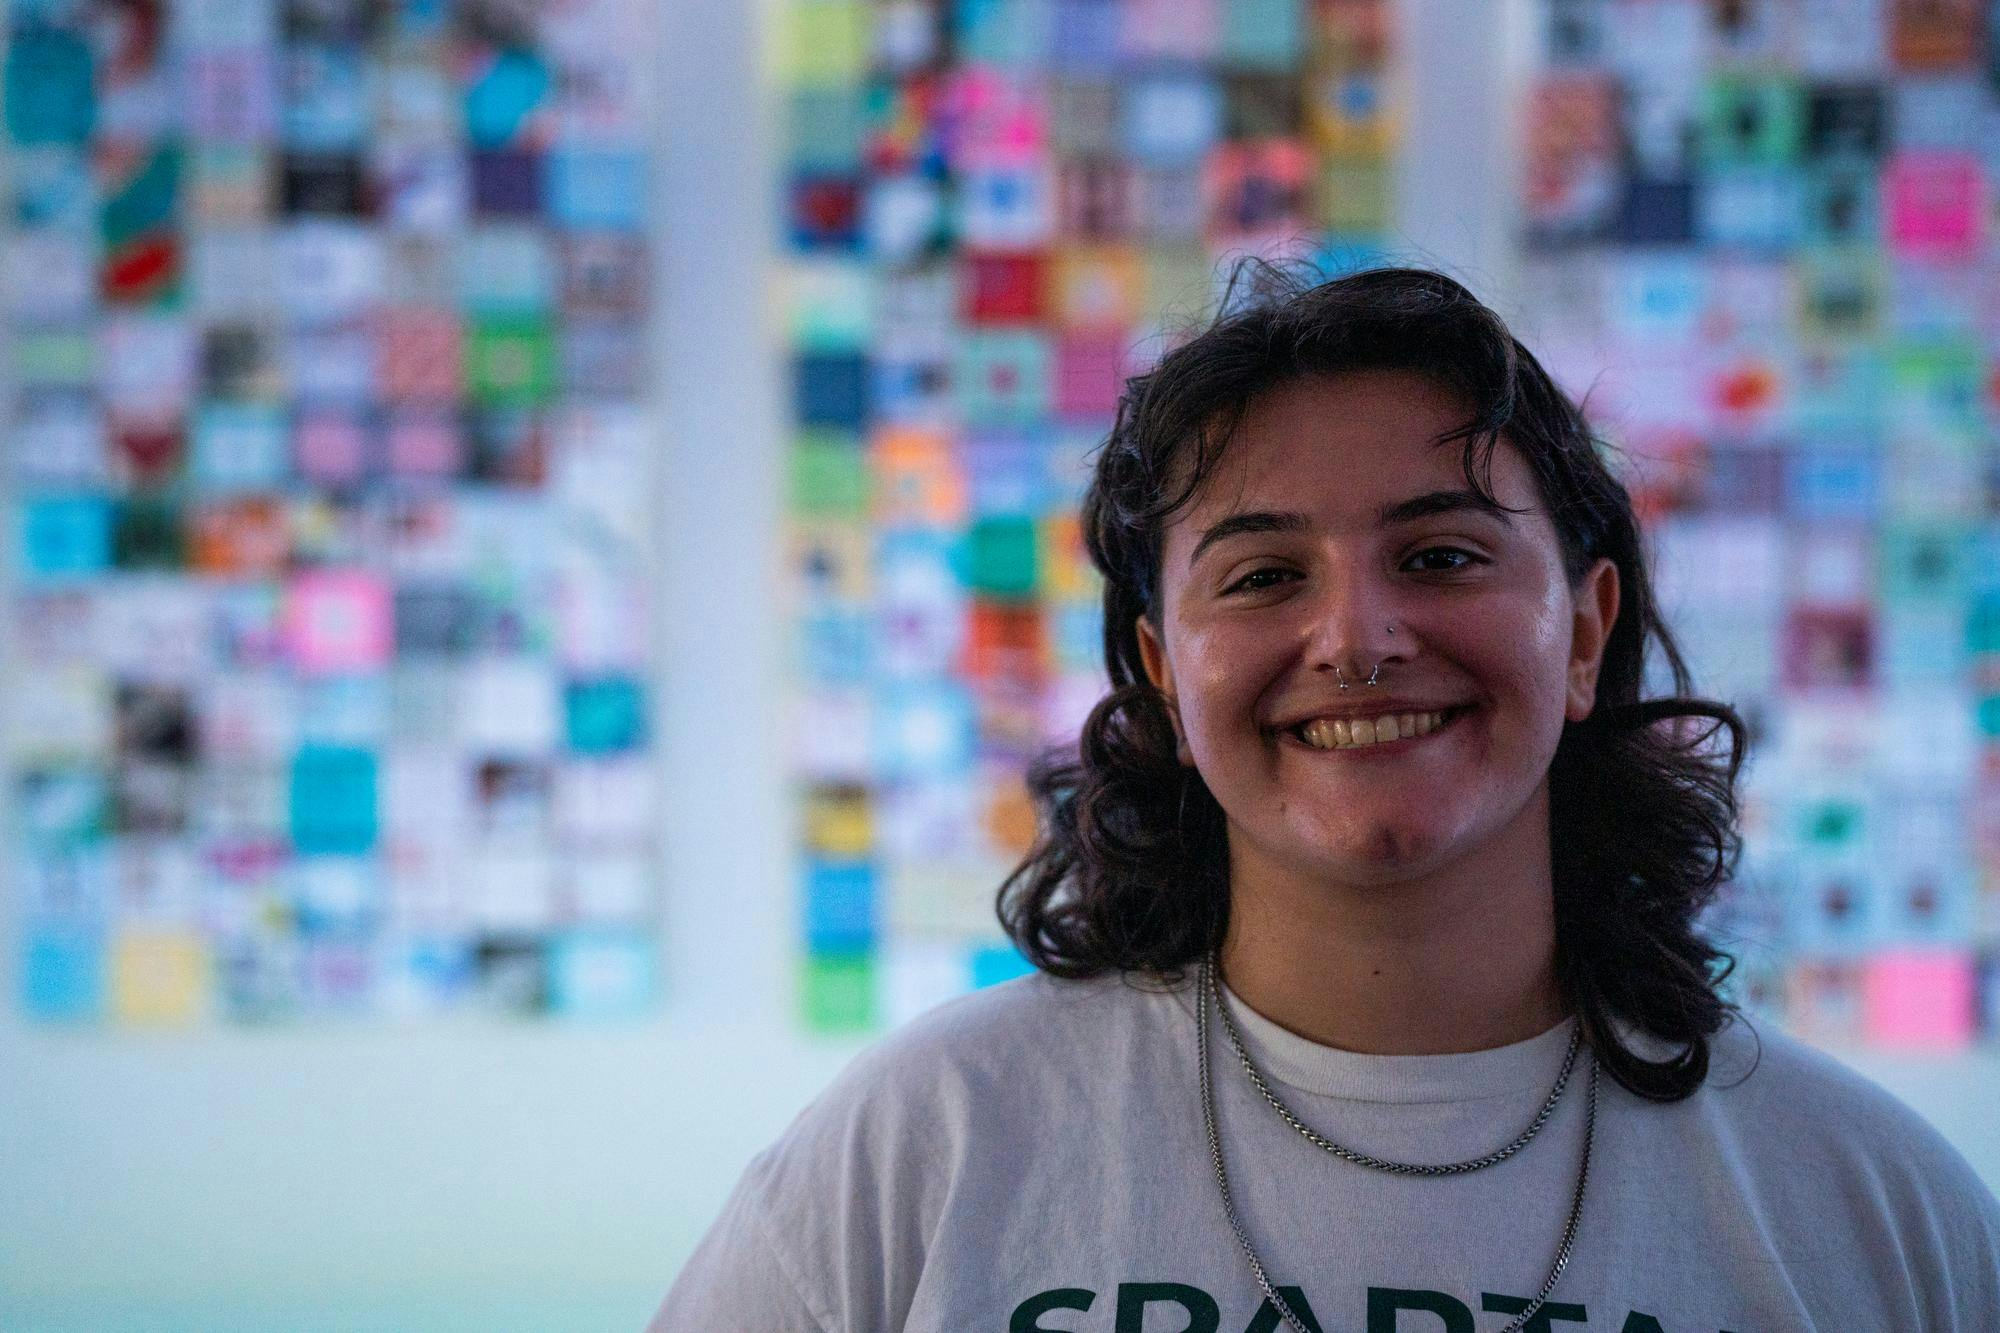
1531, 662
1221, 675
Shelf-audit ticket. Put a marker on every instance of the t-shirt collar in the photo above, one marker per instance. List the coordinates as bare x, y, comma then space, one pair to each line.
1329, 1071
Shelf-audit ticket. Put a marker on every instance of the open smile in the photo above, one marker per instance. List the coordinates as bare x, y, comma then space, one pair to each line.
1328, 739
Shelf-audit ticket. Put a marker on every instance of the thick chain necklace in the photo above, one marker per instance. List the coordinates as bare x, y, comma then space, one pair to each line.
1210, 990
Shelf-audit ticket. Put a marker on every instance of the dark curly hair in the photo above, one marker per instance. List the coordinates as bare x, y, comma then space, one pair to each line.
1129, 870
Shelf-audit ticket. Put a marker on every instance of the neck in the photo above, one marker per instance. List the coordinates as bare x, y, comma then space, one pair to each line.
1461, 959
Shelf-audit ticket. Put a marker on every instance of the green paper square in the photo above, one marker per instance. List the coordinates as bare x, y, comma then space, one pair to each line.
838, 991
1751, 120
828, 129
511, 362
57, 359
1001, 556
1925, 562
825, 43
829, 477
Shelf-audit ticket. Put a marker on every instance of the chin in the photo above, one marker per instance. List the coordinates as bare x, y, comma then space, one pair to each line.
1381, 851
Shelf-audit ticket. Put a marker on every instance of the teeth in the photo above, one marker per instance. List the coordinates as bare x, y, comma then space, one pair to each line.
1340, 734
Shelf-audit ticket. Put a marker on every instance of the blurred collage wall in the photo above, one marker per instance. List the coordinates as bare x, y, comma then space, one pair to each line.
541, 541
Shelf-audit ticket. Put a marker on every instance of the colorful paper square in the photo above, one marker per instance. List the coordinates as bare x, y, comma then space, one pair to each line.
159, 978
510, 362
63, 975
838, 993
66, 536
603, 975
333, 800
841, 906
604, 716
596, 187
338, 621
1919, 999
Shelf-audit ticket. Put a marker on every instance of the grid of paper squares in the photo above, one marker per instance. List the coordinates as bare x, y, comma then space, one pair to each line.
326, 459
1762, 237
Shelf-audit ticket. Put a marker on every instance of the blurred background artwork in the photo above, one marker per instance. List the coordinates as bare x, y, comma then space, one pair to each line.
995, 212
327, 458
1761, 244
570, 509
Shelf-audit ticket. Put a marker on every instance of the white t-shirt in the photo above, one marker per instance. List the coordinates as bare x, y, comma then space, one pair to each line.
1031, 1157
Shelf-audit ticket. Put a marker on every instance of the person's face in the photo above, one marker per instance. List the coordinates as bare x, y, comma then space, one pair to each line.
1258, 612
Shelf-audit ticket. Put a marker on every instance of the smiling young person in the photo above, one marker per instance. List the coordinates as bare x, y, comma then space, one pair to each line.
1372, 859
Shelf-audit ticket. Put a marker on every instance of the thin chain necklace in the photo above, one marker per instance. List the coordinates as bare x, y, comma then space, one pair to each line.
1209, 989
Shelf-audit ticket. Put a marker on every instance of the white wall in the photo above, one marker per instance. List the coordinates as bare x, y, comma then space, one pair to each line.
497, 1177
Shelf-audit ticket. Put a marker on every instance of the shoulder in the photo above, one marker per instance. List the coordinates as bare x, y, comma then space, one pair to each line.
1790, 1106
981, 1061
852, 1192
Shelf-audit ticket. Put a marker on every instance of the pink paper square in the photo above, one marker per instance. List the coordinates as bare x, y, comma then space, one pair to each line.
1090, 371
337, 621
1935, 201
419, 356
331, 448
1919, 998
423, 445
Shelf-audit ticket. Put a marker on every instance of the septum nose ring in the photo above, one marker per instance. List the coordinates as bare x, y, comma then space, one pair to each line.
1337, 675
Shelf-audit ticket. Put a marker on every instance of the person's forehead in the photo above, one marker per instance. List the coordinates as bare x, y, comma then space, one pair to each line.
1349, 444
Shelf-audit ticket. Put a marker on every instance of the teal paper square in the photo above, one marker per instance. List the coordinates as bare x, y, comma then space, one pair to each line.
333, 800
604, 716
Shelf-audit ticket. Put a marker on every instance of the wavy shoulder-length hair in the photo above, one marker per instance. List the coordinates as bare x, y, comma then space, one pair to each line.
1129, 870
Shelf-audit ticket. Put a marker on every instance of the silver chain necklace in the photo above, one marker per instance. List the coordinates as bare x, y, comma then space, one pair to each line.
1209, 989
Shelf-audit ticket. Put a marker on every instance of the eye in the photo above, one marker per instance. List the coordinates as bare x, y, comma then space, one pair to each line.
1470, 558
1245, 582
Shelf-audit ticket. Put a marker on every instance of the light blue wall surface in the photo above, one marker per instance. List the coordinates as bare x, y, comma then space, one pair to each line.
495, 1178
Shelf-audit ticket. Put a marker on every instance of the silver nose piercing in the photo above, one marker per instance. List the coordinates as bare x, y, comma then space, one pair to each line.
1342, 678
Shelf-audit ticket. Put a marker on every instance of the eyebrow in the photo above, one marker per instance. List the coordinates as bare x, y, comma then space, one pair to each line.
1399, 511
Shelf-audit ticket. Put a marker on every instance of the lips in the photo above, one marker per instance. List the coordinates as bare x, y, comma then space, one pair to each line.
1318, 735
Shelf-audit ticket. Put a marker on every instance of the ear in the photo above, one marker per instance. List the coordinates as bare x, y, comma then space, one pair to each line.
1153, 656
1590, 629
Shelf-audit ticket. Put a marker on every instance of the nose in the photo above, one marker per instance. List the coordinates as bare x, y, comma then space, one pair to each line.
1356, 631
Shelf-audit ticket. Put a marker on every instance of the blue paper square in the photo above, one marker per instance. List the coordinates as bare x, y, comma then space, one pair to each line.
439, 970
1009, 34
62, 974
1084, 36
605, 715
841, 904
602, 974
597, 187
831, 389
239, 445
1008, 474
504, 97
1172, 118
1751, 207
328, 105
333, 807
66, 535
924, 731
997, 963
837, 646
1832, 481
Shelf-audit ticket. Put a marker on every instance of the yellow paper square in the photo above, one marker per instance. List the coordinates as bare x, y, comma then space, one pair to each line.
159, 977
